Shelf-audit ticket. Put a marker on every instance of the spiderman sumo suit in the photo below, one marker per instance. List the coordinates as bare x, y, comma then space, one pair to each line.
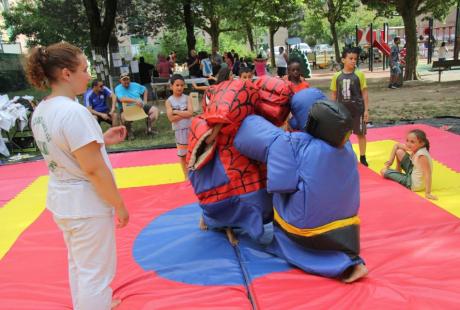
231, 188
314, 179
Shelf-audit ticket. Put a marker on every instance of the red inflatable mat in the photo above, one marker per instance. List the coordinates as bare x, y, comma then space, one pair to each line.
410, 246
444, 145
33, 275
14, 177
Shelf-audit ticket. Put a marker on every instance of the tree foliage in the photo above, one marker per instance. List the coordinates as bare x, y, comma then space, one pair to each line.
101, 17
216, 17
336, 12
438, 9
315, 30
274, 14
48, 21
141, 18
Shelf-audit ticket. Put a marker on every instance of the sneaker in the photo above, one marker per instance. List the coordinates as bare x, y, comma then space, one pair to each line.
363, 161
393, 87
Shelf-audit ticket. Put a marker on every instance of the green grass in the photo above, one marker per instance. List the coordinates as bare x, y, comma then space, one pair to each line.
163, 137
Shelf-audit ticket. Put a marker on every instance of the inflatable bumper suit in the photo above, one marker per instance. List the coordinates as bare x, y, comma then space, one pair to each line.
314, 179
231, 188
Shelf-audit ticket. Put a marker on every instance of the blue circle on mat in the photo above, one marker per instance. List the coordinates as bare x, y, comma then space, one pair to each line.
175, 248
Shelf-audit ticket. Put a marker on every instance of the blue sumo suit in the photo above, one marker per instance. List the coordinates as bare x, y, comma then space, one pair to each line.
315, 185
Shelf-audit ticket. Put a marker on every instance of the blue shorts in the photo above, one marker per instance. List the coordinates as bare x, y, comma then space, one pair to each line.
396, 69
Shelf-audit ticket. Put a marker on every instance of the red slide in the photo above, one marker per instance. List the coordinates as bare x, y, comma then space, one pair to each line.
383, 47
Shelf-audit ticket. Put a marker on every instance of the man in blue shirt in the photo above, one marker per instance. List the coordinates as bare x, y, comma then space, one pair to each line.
95, 99
134, 93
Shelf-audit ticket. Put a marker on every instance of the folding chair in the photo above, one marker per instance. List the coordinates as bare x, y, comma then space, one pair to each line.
132, 112
195, 102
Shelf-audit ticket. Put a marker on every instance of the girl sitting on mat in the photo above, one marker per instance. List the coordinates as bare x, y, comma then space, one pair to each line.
414, 159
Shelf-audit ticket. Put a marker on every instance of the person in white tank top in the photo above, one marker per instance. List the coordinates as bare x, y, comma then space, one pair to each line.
414, 159
281, 61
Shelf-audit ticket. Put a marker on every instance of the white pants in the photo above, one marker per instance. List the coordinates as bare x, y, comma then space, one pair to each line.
92, 260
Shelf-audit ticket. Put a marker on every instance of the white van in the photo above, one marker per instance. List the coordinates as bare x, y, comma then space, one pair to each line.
303, 47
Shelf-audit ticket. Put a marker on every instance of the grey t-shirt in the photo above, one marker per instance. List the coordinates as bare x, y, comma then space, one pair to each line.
348, 87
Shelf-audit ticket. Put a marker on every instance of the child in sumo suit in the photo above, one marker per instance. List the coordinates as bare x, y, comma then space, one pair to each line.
314, 180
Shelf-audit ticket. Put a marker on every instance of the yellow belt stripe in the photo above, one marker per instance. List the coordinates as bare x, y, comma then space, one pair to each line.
310, 232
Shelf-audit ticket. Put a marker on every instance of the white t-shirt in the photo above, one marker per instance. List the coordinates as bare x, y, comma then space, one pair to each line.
280, 61
61, 126
442, 52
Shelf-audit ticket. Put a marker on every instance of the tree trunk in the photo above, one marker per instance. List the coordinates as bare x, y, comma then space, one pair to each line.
214, 32
332, 19
189, 25
335, 42
271, 35
100, 30
250, 36
409, 17
114, 72
457, 32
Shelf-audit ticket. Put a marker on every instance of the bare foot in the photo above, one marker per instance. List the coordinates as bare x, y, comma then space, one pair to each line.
358, 272
202, 224
231, 237
115, 303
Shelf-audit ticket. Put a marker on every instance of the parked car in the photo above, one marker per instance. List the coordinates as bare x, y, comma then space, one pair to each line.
319, 48
303, 47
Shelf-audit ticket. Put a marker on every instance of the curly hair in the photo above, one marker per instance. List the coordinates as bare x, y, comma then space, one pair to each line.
42, 62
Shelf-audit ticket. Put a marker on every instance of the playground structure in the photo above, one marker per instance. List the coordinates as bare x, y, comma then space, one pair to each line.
370, 39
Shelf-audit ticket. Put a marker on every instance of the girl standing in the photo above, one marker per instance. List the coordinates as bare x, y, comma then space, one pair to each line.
414, 159
82, 194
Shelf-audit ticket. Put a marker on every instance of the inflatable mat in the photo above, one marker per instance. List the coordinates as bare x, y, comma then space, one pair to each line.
410, 244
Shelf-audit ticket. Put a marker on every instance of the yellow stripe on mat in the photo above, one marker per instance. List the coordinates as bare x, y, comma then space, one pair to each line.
445, 184
20, 212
